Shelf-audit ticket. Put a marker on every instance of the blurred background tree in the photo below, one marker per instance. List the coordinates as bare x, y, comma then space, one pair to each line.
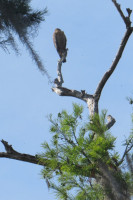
18, 18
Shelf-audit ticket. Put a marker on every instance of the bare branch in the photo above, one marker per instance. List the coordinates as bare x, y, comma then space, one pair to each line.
114, 64
61, 91
59, 81
92, 100
12, 154
129, 11
89, 99
60, 78
125, 19
127, 149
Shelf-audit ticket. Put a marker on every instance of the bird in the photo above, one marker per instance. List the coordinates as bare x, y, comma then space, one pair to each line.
60, 41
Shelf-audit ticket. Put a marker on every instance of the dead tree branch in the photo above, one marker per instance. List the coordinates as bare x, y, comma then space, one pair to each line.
59, 81
114, 64
61, 91
12, 154
93, 100
125, 19
129, 146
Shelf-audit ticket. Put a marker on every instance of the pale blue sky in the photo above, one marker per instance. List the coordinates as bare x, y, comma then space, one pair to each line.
94, 31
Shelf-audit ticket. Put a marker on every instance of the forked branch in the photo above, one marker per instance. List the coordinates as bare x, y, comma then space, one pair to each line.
126, 20
128, 148
93, 100
12, 154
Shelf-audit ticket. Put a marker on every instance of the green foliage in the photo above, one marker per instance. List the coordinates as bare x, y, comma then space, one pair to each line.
71, 159
129, 180
98, 125
92, 193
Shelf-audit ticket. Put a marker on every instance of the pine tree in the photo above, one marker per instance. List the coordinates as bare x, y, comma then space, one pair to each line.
80, 153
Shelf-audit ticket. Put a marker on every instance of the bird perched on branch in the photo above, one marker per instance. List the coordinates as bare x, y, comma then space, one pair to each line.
60, 40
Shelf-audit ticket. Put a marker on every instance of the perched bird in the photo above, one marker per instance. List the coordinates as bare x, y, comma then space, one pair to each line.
60, 40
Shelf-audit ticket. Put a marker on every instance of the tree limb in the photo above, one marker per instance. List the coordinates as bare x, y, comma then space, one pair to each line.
59, 81
114, 64
61, 91
120, 51
93, 100
127, 149
12, 154
125, 19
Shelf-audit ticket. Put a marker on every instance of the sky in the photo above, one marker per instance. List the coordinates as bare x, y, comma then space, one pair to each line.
94, 30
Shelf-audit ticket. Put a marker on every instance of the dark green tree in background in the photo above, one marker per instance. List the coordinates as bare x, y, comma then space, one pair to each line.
81, 163
18, 18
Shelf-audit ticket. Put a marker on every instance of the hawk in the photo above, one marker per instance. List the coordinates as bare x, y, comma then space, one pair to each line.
60, 40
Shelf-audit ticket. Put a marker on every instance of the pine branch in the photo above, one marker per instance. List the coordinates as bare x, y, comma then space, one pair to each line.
68, 140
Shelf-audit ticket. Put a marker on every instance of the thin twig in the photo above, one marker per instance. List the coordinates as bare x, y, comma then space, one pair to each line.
125, 19
127, 149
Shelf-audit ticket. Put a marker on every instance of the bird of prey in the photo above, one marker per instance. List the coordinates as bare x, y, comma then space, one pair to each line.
60, 40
